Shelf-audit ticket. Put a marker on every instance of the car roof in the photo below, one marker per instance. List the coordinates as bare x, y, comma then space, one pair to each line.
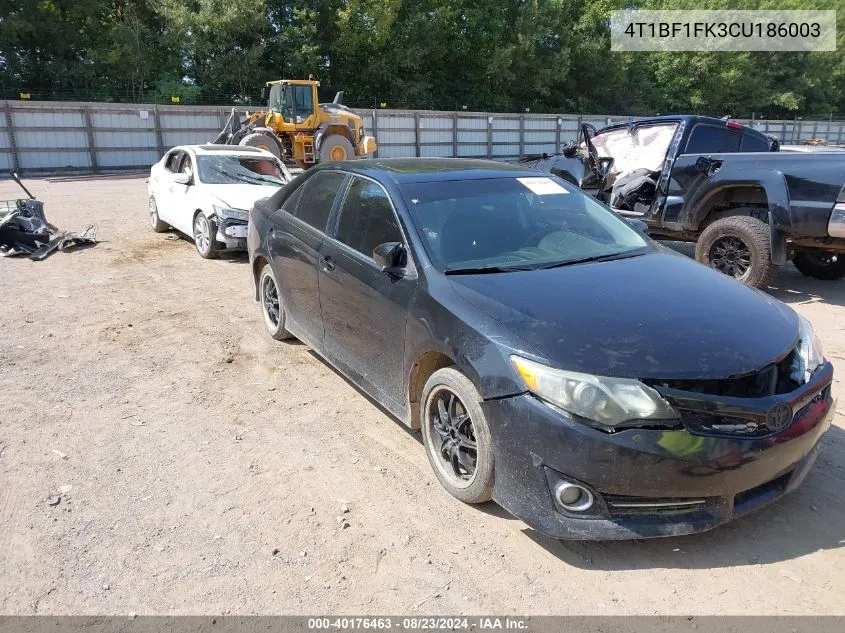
677, 118
208, 149
413, 170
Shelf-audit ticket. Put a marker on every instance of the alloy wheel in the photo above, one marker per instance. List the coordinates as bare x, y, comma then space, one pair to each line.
731, 256
270, 301
452, 436
202, 234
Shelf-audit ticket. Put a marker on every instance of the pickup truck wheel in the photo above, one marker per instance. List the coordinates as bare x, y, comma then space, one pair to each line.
738, 246
827, 267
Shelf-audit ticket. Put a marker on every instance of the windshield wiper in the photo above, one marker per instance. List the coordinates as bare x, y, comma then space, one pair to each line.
594, 258
484, 270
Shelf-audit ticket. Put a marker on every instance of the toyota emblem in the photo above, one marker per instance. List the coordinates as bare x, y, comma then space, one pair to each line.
779, 417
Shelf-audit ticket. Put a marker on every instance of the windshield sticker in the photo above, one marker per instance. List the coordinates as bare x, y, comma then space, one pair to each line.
542, 186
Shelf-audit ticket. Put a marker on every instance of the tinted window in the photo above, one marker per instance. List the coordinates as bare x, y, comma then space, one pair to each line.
367, 218
753, 143
315, 201
710, 139
514, 222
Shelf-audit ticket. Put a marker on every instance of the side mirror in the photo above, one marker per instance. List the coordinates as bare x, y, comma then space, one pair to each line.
390, 256
183, 178
640, 226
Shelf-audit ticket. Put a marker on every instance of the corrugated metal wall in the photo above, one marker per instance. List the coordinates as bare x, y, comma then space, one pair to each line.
50, 136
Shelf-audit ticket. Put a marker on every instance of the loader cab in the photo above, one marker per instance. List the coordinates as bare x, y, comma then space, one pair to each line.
295, 101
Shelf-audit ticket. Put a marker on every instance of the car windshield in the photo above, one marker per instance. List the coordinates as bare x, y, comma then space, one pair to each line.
233, 169
494, 225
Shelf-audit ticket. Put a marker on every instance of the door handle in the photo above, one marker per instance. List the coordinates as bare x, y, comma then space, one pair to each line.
328, 263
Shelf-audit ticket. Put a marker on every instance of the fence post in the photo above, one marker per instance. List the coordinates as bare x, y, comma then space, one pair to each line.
455, 134
89, 130
375, 131
159, 139
557, 134
521, 135
13, 144
815, 128
417, 132
489, 136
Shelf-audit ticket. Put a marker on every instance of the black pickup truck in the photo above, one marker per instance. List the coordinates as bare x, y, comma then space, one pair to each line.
725, 186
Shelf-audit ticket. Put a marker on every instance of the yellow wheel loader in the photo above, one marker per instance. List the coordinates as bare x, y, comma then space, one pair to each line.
298, 129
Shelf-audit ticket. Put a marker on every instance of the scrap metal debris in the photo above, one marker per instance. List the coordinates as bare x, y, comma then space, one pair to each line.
24, 229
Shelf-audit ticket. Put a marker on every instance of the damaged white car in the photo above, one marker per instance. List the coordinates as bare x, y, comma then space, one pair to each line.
206, 191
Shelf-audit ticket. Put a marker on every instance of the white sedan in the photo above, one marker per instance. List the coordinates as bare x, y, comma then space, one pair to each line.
206, 191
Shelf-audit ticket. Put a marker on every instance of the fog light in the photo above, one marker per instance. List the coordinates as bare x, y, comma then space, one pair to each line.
573, 497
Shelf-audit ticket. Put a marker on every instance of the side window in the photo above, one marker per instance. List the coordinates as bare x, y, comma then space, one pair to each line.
710, 139
186, 164
172, 163
753, 143
367, 218
315, 202
304, 102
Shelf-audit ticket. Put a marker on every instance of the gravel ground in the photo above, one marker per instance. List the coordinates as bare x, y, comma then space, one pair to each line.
159, 454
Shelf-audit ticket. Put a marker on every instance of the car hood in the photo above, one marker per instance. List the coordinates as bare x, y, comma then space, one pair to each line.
658, 315
241, 196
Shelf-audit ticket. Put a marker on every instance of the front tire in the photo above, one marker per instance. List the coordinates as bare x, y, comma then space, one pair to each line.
740, 247
205, 236
271, 305
262, 140
155, 221
826, 267
457, 437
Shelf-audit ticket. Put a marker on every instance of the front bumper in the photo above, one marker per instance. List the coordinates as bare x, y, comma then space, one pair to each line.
646, 480
232, 233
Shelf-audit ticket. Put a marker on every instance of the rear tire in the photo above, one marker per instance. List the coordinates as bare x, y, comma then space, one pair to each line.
271, 305
456, 436
155, 221
264, 141
336, 148
820, 266
740, 247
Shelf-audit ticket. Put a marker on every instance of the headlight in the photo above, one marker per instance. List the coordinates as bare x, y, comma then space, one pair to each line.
225, 213
607, 401
809, 356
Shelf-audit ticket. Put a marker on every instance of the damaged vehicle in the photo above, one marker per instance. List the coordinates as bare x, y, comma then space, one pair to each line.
595, 384
24, 229
748, 206
206, 191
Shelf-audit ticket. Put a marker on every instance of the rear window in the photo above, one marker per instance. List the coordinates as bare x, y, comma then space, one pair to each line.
712, 139
753, 143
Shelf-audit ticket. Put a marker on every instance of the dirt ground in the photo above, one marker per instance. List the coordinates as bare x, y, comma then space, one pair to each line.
200, 467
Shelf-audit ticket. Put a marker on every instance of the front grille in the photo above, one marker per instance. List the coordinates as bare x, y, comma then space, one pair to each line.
773, 379
624, 505
715, 424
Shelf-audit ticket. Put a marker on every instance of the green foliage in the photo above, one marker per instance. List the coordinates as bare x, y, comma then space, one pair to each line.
496, 55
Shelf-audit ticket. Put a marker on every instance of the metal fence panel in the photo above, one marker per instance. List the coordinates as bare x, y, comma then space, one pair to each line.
53, 136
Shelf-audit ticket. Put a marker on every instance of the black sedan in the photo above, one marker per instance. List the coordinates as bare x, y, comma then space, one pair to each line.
557, 360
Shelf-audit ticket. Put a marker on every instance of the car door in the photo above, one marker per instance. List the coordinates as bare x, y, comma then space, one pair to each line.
164, 183
365, 308
297, 232
183, 196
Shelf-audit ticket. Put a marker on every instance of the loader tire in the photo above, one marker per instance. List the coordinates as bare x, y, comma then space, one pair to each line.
264, 141
740, 247
335, 148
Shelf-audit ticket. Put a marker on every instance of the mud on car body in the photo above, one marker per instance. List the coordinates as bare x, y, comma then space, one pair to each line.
556, 360
723, 185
